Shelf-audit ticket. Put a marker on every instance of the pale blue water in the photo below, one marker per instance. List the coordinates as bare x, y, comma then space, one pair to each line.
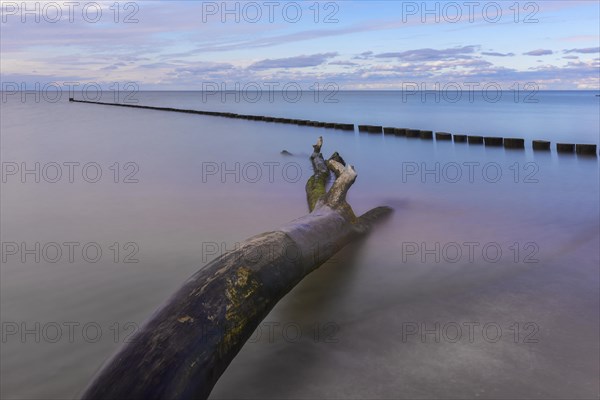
550, 115
353, 313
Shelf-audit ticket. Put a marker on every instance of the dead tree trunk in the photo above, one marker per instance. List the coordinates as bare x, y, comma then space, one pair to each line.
183, 349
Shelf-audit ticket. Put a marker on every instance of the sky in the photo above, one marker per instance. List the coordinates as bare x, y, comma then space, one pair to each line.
354, 45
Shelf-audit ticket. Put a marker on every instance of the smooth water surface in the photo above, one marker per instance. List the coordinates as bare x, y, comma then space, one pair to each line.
380, 319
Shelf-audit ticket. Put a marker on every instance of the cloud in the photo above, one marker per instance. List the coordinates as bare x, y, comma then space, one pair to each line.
346, 63
158, 65
366, 55
432, 54
539, 52
580, 38
495, 54
589, 50
65, 82
143, 52
204, 68
302, 61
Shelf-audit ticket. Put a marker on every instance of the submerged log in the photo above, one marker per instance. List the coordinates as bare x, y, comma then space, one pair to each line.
542, 145
493, 141
565, 147
426, 135
514, 143
475, 139
586, 149
183, 349
443, 136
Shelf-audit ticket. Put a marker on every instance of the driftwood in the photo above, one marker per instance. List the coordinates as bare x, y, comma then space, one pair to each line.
181, 352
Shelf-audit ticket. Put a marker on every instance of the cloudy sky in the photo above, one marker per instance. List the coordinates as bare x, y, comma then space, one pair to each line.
187, 45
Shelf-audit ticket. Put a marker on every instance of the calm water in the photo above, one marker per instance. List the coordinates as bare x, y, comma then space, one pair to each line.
377, 321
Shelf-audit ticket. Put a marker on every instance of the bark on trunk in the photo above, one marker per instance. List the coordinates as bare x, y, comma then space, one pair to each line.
183, 349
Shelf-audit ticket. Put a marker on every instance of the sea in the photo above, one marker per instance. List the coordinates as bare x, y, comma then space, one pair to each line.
483, 283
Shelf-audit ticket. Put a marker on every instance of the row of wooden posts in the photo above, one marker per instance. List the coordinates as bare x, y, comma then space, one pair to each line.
493, 141
509, 143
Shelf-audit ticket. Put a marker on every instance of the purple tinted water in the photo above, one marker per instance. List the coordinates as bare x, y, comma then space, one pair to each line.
379, 319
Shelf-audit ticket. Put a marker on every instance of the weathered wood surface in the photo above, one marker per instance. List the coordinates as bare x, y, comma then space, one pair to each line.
183, 349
